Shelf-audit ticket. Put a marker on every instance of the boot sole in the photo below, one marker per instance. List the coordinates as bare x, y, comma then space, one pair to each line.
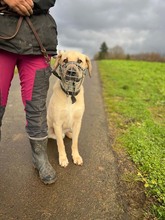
44, 181
49, 182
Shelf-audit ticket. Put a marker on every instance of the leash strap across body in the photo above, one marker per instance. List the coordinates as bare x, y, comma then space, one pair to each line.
4, 11
42, 48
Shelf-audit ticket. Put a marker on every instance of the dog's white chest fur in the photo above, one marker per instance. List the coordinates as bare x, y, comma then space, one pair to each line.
69, 114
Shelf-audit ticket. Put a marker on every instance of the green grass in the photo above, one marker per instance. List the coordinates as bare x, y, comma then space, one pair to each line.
134, 94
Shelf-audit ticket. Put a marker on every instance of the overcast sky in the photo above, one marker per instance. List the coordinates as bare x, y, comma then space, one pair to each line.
136, 25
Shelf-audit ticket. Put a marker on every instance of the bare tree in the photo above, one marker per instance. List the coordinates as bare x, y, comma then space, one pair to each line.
116, 52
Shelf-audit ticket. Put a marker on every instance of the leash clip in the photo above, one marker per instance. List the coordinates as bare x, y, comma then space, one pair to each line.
47, 58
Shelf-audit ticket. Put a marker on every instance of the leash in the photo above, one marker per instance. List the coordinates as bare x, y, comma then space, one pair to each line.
42, 48
56, 74
16, 32
5, 11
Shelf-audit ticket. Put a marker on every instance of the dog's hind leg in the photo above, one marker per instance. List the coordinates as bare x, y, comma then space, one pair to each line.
69, 134
51, 133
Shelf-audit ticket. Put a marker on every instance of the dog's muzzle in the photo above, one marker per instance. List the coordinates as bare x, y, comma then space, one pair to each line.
72, 76
71, 82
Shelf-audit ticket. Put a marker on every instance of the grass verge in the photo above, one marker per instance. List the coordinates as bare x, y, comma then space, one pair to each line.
134, 94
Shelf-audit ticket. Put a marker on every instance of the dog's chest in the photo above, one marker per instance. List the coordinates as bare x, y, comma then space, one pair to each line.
68, 119
71, 114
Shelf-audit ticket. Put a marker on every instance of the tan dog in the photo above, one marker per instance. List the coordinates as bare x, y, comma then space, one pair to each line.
66, 106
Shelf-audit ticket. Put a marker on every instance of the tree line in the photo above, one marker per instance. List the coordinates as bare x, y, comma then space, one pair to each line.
117, 52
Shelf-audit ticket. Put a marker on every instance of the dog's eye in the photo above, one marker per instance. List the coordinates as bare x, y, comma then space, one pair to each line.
65, 60
79, 61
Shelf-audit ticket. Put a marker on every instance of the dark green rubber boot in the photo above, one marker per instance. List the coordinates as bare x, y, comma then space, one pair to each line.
40, 161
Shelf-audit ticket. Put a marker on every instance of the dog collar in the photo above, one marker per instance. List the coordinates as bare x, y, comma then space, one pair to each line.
72, 94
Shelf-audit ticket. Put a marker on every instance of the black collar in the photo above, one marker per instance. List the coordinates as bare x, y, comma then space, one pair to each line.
72, 94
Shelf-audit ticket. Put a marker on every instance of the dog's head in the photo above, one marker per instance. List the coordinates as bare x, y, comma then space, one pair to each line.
73, 64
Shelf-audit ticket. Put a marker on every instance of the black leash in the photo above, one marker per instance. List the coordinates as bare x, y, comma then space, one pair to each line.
56, 74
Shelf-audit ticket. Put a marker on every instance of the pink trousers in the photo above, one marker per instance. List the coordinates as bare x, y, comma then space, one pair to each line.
27, 66
34, 75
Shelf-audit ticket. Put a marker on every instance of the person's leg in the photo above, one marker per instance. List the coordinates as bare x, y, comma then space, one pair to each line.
34, 76
7, 65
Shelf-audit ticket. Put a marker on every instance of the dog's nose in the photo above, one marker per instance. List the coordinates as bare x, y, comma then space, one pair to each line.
71, 72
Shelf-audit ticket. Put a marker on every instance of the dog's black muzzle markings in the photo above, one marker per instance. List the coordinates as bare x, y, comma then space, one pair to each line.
70, 80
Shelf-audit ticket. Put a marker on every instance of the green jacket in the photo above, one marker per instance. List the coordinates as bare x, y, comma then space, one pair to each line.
25, 42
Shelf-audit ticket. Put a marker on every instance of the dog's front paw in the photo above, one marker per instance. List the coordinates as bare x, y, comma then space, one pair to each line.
77, 159
63, 161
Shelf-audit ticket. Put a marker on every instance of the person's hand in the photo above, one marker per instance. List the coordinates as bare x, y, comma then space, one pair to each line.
22, 7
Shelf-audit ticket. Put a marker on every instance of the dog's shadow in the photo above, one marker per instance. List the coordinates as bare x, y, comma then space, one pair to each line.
53, 151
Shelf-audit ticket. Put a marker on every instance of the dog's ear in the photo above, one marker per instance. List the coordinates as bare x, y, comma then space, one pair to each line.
89, 65
57, 61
